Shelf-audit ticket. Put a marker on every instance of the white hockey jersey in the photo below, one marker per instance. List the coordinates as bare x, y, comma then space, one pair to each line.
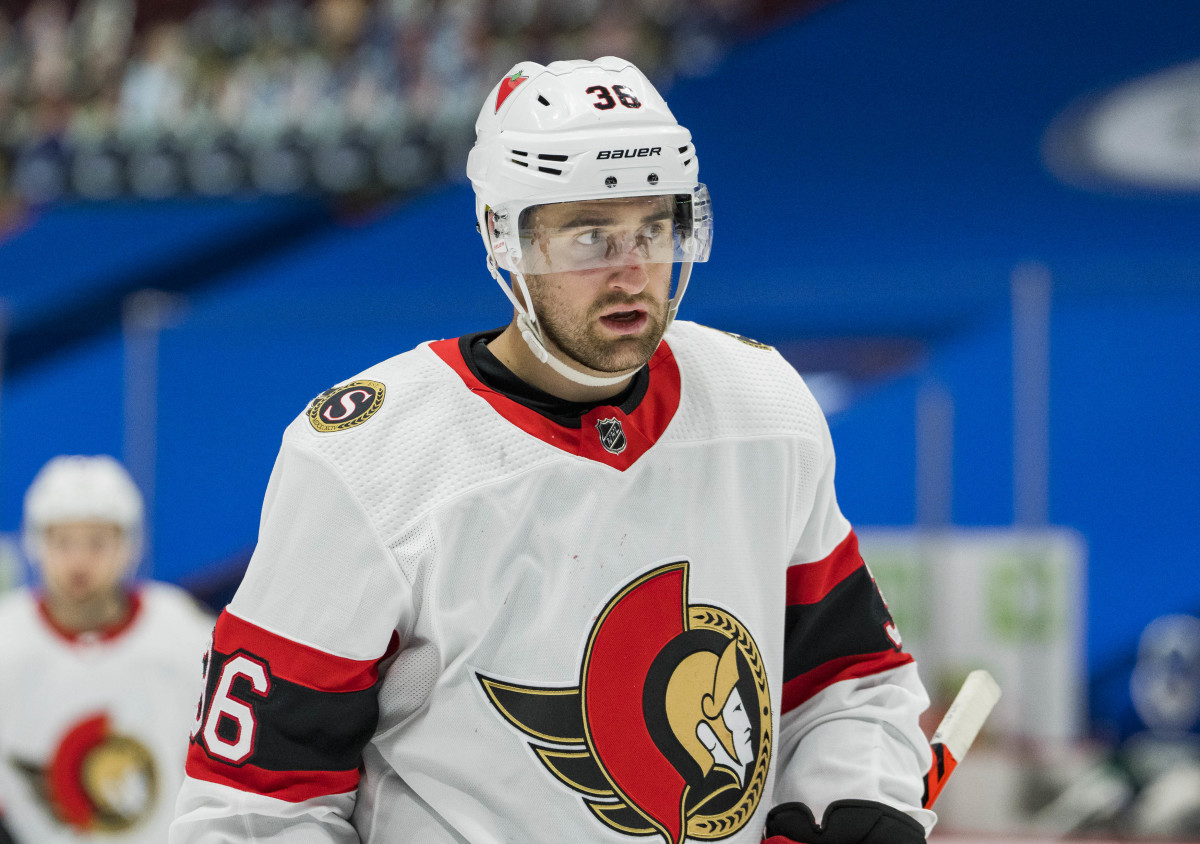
471, 619
93, 727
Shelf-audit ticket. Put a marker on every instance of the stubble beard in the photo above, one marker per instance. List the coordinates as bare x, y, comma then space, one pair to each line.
582, 342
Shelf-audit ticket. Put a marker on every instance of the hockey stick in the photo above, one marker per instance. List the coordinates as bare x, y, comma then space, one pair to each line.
960, 725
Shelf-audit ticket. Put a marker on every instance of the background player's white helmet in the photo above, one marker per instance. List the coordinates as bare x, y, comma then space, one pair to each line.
577, 130
80, 488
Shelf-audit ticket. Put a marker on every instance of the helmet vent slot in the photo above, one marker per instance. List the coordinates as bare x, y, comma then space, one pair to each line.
518, 152
547, 156
551, 170
543, 100
518, 161
683, 149
686, 163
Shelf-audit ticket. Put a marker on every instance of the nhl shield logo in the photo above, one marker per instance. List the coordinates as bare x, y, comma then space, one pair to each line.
612, 435
668, 733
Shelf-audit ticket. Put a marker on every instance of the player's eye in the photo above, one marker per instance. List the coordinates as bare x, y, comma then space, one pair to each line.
591, 237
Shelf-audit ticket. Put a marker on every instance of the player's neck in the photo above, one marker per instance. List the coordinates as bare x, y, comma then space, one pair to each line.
512, 351
95, 613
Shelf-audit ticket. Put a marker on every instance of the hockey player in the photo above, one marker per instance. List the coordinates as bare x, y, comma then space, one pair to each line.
583, 578
97, 673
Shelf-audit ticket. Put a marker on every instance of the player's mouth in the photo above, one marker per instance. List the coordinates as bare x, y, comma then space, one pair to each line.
625, 319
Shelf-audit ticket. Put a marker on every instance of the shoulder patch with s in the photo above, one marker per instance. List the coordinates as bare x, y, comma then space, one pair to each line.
747, 340
346, 406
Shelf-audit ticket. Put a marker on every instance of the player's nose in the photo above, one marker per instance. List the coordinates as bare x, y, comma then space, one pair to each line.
631, 277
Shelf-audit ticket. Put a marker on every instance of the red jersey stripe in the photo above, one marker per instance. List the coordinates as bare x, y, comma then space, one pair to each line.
808, 583
292, 786
294, 662
804, 687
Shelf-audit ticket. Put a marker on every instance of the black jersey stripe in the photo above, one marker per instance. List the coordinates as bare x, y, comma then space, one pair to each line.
281, 718
851, 621
299, 728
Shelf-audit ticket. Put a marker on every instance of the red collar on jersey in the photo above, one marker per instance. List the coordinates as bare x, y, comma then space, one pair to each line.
639, 429
103, 634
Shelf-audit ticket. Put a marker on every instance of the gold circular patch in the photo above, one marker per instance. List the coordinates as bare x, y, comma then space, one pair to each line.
346, 406
748, 341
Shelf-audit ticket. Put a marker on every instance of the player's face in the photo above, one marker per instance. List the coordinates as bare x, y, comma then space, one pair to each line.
609, 318
83, 561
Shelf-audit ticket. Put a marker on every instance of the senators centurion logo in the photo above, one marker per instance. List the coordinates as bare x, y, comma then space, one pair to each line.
97, 780
346, 406
669, 731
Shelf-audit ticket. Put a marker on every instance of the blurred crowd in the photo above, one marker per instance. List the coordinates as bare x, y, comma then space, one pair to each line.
104, 98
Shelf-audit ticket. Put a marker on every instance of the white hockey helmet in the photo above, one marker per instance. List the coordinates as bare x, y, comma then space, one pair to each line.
580, 130
72, 488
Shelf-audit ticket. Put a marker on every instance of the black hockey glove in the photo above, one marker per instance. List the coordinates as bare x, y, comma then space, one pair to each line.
845, 822
5, 837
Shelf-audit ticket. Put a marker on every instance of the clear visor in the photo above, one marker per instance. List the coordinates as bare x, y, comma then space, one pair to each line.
620, 231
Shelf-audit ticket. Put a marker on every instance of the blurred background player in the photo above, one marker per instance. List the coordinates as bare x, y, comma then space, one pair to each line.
98, 672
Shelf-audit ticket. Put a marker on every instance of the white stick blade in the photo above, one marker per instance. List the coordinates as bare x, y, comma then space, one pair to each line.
967, 713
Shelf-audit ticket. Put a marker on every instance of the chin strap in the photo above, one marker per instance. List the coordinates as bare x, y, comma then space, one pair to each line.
531, 332
685, 273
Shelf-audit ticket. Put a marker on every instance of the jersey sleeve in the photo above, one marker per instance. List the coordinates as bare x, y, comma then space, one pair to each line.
290, 697
851, 696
